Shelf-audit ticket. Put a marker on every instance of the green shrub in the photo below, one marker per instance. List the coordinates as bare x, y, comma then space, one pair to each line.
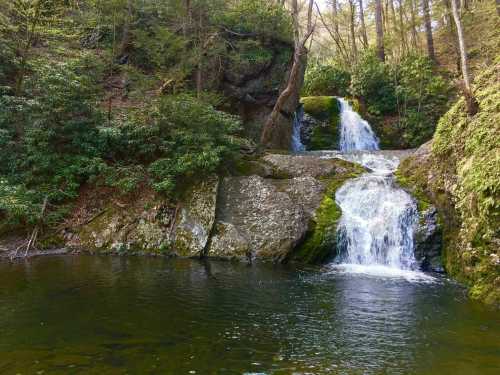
326, 80
178, 138
49, 142
260, 17
371, 81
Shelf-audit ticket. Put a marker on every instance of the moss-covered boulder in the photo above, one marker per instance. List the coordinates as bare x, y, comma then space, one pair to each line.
428, 238
461, 176
321, 124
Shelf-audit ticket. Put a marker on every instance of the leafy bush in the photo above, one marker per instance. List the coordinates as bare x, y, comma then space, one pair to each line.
412, 91
371, 80
178, 138
48, 140
260, 17
326, 79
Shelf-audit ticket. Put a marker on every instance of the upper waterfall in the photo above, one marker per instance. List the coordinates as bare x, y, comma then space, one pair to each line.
355, 133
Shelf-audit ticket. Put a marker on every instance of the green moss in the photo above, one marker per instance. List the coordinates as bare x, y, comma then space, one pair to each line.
323, 108
461, 176
321, 238
411, 183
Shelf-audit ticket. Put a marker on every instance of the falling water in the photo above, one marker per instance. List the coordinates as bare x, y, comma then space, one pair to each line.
378, 218
297, 145
355, 133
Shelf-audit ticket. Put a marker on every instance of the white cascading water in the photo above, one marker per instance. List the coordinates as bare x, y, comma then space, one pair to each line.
297, 145
378, 218
355, 133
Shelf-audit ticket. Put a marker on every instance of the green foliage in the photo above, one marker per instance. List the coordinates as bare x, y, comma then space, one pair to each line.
48, 139
263, 18
371, 80
411, 90
326, 79
157, 48
177, 138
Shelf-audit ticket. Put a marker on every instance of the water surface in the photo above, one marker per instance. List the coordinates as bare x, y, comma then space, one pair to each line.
118, 315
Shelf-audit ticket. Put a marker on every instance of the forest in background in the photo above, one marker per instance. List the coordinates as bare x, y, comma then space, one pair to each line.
133, 94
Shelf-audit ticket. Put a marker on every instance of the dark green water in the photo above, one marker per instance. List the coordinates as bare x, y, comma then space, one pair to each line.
107, 315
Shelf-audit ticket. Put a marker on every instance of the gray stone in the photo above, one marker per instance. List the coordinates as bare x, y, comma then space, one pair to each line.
429, 241
196, 218
264, 218
305, 165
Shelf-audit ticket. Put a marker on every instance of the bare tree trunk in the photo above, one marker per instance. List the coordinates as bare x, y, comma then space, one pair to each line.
352, 14
472, 105
380, 30
341, 47
402, 32
363, 25
335, 16
452, 33
428, 30
414, 35
277, 130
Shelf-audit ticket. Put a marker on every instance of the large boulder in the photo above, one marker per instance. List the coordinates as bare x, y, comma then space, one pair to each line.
263, 218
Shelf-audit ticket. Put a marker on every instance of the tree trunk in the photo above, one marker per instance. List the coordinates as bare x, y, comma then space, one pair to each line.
363, 25
335, 16
452, 33
380, 30
428, 30
126, 37
472, 105
352, 14
277, 131
414, 35
402, 32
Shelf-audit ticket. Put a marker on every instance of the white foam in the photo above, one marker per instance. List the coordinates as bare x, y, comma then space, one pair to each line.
381, 271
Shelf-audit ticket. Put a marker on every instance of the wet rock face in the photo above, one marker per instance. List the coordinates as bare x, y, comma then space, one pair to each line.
263, 218
429, 241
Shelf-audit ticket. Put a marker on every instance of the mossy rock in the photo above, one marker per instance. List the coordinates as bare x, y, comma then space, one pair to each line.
325, 109
321, 239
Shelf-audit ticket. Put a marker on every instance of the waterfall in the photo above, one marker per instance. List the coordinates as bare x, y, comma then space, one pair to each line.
378, 221
355, 133
378, 218
297, 145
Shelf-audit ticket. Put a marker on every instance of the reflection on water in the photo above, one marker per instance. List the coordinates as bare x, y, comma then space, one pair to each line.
105, 315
